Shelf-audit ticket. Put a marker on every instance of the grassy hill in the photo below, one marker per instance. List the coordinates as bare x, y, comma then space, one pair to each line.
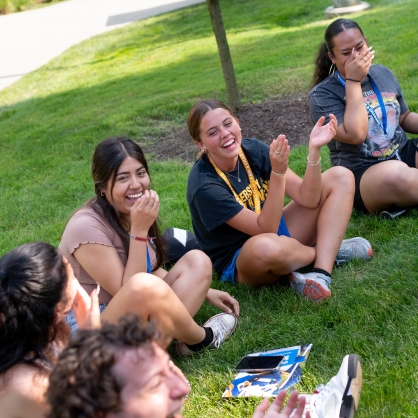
140, 81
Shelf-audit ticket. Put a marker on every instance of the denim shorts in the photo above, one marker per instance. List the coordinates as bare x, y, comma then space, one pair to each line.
72, 322
228, 274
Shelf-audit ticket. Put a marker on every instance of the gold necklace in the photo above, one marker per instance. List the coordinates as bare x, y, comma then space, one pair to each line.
235, 177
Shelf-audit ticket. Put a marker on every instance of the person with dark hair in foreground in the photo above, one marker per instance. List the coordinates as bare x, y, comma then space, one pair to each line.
372, 118
119, 371
37, 290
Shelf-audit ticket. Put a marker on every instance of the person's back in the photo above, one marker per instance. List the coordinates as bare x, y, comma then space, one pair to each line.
34, 295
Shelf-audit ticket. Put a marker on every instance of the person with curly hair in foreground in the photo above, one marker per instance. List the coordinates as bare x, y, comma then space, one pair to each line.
119, 371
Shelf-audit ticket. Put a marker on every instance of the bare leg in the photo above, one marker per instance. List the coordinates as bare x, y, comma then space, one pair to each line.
265, 257
153, 300
389, 183
326, 224
190, 279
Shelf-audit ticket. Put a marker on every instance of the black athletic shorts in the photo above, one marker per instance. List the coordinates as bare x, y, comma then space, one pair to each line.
407, 155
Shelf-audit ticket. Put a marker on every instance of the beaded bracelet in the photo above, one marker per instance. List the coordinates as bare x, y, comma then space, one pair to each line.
352, 79
138, 238
313, 163
278, 174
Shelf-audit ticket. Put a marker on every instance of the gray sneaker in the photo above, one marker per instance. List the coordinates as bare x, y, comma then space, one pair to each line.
354, 248
223, 326
312, 285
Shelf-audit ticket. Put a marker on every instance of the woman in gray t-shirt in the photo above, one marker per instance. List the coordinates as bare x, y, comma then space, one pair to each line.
372, 119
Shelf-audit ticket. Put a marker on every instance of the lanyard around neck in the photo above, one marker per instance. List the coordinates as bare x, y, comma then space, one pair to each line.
383, 124
253, 185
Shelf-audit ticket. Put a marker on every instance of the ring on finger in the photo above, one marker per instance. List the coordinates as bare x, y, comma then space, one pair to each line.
150, 204
277, 152
364, 60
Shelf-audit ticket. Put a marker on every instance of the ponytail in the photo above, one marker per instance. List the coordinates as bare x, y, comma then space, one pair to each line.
322, 65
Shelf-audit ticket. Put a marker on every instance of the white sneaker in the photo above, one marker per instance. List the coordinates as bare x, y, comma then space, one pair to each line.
340, 397
223, 326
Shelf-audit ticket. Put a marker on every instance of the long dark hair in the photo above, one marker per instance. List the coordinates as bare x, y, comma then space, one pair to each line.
107, 158
33, 279
323, 62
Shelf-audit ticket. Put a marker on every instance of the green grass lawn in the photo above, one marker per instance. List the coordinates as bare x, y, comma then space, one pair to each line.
13, 6
140, 81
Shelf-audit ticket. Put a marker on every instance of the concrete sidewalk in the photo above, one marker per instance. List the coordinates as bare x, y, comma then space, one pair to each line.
31, 39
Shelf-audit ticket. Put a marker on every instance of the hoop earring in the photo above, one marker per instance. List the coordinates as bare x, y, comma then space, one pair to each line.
101, 193
331, 69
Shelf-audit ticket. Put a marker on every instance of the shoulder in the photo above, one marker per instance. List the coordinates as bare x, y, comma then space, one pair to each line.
24, 392
380, 72
325, 85
254, 148
380, 69
86, 226
86, 217
201, 174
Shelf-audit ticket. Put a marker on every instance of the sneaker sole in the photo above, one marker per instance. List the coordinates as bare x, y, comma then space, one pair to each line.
350, 402
314, 291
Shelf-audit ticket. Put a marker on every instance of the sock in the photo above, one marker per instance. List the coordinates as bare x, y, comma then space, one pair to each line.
206, 341
318, 270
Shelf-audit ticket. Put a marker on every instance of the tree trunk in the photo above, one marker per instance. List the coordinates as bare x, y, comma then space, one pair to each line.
224, 54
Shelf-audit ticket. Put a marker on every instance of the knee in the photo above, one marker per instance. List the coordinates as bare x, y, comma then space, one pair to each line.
339, 178
268, 247
398, 178
146, 287
199, 263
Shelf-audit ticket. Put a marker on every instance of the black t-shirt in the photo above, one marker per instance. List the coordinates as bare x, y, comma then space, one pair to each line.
212, 202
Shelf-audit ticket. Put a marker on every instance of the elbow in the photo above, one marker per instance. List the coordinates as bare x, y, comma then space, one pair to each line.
313, 205
355, 137
358, 140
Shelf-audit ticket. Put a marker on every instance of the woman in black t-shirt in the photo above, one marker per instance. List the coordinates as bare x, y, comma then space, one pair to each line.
236, 196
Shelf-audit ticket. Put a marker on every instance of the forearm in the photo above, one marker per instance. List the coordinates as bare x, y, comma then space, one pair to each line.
137, 259
354, 128
409, 122
269, 218
311, 187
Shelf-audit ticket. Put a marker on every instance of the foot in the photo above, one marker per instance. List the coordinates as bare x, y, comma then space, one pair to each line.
223, 326
340, 397
354, 248
312, 285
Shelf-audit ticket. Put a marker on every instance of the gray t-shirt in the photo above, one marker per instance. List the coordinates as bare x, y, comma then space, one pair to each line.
329, 97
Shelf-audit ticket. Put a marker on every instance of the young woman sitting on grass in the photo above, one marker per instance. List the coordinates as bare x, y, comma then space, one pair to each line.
114, 240
236, 195
37, 290
372, 118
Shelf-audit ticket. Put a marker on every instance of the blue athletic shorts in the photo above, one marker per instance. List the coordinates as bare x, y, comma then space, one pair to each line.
72, 322
228, 274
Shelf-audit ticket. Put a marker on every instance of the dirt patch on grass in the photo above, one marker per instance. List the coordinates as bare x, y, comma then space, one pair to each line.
264, 121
